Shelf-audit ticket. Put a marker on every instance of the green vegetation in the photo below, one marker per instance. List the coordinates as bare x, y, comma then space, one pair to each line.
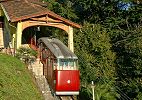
96, 62
27, 55
16, 82
109, 45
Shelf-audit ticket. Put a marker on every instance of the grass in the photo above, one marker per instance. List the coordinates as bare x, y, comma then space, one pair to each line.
16, 82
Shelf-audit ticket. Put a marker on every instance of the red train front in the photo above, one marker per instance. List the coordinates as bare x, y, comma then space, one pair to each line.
67, 77
60, 66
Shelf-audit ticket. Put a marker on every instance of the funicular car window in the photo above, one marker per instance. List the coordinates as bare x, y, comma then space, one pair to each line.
48, 61
44, 54
67, 63
55, 64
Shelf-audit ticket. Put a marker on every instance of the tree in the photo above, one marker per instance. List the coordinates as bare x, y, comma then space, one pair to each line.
63, 8
96, 61
110, 37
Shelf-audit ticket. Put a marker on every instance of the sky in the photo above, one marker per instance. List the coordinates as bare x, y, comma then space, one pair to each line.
124, 5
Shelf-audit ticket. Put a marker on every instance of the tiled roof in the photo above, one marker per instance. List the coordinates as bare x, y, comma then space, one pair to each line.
16, 10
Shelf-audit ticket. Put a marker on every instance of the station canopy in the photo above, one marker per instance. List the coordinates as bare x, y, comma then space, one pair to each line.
20, 10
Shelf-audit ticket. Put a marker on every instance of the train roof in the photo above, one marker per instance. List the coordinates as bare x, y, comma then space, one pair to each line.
57, 48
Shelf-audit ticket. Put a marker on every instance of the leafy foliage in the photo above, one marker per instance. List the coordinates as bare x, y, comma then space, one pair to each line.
108, 45
26, 54
63, 8
129, 63
96, 60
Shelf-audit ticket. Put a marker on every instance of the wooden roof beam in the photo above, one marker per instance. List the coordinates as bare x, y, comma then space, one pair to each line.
47, 20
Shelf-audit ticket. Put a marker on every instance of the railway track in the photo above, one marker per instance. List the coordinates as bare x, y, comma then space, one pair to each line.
66, 98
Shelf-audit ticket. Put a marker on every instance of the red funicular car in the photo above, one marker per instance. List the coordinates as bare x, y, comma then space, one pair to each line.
60, 66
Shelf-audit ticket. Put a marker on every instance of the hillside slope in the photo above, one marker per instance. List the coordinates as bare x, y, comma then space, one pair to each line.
15, 81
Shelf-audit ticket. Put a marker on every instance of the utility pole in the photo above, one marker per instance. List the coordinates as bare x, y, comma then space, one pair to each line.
93, 90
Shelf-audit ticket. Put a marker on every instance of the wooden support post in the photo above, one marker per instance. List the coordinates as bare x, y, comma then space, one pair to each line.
13, 40
19, 34
70, 39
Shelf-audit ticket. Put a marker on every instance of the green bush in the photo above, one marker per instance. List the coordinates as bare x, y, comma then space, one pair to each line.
26, 54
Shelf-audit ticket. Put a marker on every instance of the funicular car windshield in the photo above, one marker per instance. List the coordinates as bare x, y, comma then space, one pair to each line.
68, 64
